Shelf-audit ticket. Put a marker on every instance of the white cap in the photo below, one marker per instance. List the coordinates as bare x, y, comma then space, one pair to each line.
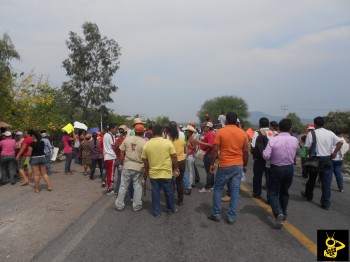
7, 133
209, 124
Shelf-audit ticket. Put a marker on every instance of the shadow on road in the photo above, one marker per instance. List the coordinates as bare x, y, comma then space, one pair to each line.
256, 211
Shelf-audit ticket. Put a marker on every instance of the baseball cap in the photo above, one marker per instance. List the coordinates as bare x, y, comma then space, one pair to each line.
209, 124
7, 133
139, 128
19, 133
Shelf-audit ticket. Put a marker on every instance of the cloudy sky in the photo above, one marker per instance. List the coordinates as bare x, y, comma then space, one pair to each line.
178, 54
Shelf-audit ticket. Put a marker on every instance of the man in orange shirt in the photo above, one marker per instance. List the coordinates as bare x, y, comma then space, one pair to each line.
232, 142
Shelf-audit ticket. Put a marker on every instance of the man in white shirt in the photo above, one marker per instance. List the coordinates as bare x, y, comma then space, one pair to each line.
110, 155
326, 140
222, 118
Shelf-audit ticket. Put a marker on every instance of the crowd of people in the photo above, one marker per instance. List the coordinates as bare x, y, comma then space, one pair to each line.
166, 155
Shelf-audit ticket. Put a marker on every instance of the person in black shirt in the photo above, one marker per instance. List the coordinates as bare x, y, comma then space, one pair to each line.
38, 160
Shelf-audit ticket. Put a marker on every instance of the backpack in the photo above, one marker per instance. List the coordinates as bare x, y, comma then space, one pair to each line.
260, 144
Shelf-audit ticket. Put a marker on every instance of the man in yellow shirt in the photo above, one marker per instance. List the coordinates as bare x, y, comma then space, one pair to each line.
232, 142
159, 157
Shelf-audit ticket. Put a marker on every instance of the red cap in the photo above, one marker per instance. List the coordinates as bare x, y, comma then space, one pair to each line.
139, 128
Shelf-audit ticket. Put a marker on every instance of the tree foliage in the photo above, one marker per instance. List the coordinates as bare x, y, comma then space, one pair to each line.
91, 65
162, 120
36, 105
7, 53
338, 121
214, 106
296, 123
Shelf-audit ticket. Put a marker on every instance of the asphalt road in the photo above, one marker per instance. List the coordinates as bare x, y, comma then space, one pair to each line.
104, 234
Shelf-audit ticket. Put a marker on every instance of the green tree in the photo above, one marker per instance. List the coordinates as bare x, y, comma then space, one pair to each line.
7, 53
296, 123
338, 121
91, 65
214, 106
162, 120
36, 105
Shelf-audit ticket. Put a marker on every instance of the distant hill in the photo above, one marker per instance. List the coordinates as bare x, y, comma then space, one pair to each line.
254, 117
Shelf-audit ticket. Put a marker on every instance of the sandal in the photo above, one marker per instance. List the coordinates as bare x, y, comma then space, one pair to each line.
49, 189
25, 183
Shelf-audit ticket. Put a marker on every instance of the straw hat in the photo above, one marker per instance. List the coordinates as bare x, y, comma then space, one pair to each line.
189, 128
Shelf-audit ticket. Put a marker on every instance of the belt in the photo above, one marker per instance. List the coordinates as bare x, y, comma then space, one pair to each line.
272, 165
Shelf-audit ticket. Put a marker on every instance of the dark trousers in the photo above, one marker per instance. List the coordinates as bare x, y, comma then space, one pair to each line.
93, 167
281, 178
325, 172
167, 186
8, 168
197, 177
210, 177
179, 181
259, 168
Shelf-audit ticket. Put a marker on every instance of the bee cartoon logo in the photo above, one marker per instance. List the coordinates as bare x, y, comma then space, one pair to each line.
332, 245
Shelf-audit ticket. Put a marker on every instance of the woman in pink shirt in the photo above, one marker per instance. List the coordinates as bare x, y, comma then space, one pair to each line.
8, 164
67, 141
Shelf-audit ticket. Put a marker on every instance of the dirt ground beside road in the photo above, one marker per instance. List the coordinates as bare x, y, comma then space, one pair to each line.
29, 221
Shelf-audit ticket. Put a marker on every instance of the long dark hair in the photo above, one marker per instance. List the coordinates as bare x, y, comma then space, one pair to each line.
94, 136
36, 134
173, 131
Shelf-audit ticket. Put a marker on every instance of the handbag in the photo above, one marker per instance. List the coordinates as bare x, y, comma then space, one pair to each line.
311, 161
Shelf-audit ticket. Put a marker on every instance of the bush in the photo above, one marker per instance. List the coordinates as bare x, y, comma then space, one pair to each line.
347, 158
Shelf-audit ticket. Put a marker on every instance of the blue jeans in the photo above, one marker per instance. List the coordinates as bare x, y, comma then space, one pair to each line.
68, 162
186, 180
48, 165
167, 186
76, 155
337, 167
326, 175
222, 176
281, 178
210, 177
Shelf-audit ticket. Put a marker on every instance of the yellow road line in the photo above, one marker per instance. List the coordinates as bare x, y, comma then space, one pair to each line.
304, 240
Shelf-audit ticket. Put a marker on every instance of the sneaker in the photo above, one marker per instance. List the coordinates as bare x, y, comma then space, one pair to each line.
341, 190
103, 184
188, 192
214, 218
204, 190
137, 209
110, 192
230, 222
226, 198
115, 192
326, 207
278, 223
